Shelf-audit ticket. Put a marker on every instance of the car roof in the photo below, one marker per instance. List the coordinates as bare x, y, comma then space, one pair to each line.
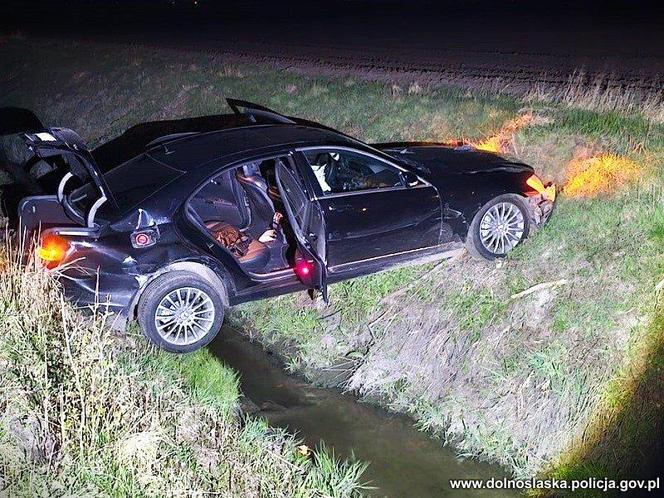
140, 137
191, 151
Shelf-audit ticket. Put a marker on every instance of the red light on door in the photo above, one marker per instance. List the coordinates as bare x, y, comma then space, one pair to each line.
303, 268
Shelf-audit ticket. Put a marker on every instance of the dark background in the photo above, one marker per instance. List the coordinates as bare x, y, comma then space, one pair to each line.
619, 38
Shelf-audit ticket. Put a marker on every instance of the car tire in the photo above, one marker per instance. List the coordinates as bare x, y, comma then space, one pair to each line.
480, 239
181, 312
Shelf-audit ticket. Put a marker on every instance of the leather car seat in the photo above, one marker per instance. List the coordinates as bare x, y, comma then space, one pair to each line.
256, 256
222, 199
260, 203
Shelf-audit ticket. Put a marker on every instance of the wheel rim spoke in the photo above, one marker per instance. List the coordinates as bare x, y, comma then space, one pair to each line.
184, 315
502, 228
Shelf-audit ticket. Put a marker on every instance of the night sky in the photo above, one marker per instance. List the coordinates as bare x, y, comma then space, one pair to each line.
110, 13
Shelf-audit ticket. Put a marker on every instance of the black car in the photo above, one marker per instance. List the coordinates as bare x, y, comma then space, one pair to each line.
200, 220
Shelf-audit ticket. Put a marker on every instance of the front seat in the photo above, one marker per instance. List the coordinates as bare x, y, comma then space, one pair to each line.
260, 204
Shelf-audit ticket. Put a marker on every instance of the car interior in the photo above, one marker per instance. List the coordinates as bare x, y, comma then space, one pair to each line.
347, 171
243, 211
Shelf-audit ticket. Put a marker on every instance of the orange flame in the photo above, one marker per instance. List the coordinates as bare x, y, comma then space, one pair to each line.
600, 174
492, 144
501, 140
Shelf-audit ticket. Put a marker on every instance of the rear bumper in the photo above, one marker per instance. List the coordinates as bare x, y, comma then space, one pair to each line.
104, 292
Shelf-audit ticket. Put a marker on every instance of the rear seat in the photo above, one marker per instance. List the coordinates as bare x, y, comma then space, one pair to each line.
257, 254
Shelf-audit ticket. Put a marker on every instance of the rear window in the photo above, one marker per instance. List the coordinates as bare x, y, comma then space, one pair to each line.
136, 180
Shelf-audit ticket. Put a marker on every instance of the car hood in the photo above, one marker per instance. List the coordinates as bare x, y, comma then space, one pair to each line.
437, 159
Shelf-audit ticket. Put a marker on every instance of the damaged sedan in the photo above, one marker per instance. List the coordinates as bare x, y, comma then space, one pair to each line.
201, 219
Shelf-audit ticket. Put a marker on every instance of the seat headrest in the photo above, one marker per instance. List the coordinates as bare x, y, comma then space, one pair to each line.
251, 175
251, 169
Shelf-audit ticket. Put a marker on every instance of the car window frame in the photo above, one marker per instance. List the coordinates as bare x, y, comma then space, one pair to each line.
320, 194
238, 163
190, 215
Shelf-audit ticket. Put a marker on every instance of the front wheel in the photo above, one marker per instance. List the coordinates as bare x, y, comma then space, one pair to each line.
180, 312
498, 227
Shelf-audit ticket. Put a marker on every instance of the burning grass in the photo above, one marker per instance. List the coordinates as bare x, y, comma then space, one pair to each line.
501, 142
603, 174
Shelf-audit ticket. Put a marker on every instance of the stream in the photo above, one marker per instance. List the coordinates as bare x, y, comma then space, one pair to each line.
403, 462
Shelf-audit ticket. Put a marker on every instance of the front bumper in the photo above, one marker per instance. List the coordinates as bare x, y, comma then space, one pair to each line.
542, 205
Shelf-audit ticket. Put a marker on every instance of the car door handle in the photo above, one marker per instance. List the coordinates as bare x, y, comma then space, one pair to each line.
340, 207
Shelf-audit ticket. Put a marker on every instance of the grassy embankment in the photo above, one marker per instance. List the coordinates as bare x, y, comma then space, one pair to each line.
84, 412
518, 380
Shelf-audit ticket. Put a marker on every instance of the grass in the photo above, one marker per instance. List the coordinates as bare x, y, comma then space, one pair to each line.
209, 380
85, 412
529, 382
603, 94
476, 308
629, 422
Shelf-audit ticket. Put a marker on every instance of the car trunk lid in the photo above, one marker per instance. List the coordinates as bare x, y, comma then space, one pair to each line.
80, 168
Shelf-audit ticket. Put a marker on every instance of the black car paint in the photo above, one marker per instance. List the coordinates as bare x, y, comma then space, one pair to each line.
368, 229
465, 178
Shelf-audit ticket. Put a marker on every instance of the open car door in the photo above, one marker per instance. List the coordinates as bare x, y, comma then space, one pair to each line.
308, 225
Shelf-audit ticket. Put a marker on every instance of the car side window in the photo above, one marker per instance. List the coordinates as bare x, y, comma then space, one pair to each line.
339, 171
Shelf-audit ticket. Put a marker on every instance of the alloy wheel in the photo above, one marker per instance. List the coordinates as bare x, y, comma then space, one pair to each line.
502, 228
184, 315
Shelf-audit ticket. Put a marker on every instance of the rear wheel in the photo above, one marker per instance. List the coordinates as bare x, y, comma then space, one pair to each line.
498, 227
181, 312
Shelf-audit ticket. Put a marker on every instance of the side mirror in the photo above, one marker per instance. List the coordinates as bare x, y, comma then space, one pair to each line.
409, 179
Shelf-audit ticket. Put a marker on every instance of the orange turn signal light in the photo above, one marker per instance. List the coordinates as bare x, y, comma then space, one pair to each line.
548, 193
53, 249
535, 183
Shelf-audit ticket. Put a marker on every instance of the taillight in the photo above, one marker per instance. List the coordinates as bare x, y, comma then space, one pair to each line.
52, 250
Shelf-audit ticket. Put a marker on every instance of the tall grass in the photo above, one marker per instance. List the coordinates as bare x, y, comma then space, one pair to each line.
86, 412
601, 92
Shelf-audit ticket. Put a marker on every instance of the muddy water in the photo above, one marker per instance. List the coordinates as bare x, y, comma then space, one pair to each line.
404, 462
